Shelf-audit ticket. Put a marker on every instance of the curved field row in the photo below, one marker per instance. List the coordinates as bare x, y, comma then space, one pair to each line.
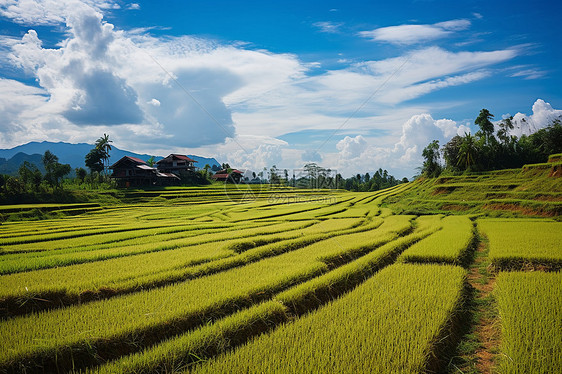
450, 245
82, 329
161, 240
520, 243
210, 340
365, 338
54, 287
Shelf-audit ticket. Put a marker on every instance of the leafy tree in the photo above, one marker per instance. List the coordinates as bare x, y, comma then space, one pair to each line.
55, 171
548, 141
14, 186
49, 161
451, 152
81, 174
468, 152
30, 176
505, 125
486, 126
274, 175
94, 160
431, 166
206, 170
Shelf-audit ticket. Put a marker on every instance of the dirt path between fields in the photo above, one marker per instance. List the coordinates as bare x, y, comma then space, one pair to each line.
480, 344
487, 329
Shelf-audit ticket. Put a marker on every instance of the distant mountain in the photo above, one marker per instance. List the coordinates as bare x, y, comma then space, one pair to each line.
11, 166
72, 154
202, 161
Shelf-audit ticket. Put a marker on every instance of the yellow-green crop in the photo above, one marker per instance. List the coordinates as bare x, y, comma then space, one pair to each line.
530, 306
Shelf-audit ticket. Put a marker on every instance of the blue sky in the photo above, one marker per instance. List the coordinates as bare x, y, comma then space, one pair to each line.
351, 85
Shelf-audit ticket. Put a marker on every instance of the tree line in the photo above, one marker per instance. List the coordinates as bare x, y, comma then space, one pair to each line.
491, 149
315, 176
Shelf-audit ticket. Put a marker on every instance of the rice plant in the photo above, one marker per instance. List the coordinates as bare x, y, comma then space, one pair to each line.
450, 245
531, 323
391, 323
515, 243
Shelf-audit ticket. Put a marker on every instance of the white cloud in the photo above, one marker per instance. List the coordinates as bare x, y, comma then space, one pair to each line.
328, 27
543, 115
154, 102
48, 12
412, 34
358, 154
351, 147
532, 73
133, 6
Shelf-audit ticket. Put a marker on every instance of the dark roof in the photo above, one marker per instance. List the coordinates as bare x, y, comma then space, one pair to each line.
175, 155
224, 171
135, 160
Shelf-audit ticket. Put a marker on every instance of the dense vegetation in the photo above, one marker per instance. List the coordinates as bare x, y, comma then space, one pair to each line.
491, 149
534, 190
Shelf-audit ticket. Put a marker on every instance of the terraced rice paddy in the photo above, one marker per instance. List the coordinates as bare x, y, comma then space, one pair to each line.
276, 280
516, 243
529, 307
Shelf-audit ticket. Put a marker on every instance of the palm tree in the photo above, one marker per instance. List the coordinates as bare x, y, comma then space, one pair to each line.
103, 145
467, 152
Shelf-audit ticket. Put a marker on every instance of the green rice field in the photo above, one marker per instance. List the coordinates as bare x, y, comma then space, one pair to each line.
274, 280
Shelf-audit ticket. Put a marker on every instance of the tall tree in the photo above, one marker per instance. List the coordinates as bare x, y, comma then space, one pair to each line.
451, 152
486, 126
505, 125
431, 166
54, 171
104, 146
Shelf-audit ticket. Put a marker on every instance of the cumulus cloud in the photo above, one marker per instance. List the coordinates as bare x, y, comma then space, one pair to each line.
106, 77
48, 12
351, 147
264, 156
103, 99
358, 154
543, 116
412, 34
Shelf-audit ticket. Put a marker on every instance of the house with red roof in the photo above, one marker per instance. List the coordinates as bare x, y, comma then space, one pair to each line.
234, 176
179, 165
133, 172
